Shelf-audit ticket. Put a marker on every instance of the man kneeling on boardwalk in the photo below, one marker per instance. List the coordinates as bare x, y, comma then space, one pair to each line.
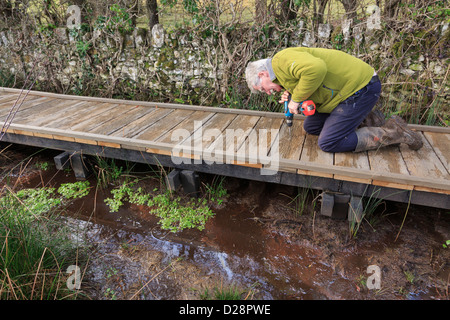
345, 89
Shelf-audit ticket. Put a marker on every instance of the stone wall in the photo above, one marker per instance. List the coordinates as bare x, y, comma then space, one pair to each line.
189, 66
167, 65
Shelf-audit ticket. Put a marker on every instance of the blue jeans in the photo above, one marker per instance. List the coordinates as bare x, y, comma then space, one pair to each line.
336, 130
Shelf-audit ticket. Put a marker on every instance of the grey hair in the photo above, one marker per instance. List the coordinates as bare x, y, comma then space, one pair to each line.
251, 73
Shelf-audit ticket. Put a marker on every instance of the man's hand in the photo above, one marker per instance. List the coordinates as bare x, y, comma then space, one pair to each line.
293, 106
284, 97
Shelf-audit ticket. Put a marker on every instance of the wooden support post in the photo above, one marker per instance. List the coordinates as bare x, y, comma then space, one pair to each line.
79, 166
62, 160
326, 208
173, 180
335, 205
191, 182
340, 209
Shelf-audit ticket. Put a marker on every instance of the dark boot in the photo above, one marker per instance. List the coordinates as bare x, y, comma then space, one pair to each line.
374, 119
394, 132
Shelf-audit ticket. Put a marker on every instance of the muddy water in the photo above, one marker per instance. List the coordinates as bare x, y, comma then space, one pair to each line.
254, 244
235, 249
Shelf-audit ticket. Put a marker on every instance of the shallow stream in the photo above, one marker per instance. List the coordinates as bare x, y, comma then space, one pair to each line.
254, 245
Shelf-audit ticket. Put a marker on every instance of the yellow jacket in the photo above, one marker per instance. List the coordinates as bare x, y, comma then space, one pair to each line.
325, 76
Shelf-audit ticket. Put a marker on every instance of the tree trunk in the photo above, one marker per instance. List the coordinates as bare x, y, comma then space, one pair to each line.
287, 11
49, 12
152, 13
6, 9
321, 10
260, 10
390, 8
350, 8
133, 10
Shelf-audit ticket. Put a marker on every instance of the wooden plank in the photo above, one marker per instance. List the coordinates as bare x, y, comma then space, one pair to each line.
128, 114
247, 163
182, 134
84, 114
393, 185
91, 138
369, 175
12, 98
212, 130
273, 126
4, 90
23, 107
13, 105
155, 104
238, 131
291, 143
64, 138
86, 141
424, 163
7, 97
225, 145
37, 114
33, 109
21, 132
388, 160
109, 144
69, 117
135, 127
159, 128
158, 151
61, 112
91, 123
293, 140
356, 160
15, 98
440, 142
212, 133
433, 190
255, 151
188, 125
48, 109
43, 135
424, 128
312, 153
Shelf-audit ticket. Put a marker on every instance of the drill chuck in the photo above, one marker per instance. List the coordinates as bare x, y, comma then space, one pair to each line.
288, 114
289, 120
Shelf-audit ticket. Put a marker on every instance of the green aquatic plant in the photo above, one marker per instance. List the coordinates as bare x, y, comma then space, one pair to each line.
176, 216
74, 190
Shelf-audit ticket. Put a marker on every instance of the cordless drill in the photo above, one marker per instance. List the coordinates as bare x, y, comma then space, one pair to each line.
307, 107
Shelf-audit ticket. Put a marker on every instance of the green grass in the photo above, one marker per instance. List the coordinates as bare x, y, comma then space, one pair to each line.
110, 172
409, 276
35, 250
216, 191
231, 292
305, 200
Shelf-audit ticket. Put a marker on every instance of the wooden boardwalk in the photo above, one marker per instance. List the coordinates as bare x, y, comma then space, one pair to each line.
147, 129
